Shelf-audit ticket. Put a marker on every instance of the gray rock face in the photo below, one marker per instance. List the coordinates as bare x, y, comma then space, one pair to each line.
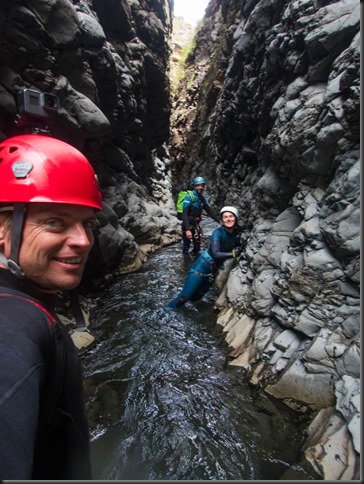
273, 124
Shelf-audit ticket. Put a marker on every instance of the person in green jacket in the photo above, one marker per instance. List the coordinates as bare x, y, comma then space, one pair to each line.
193, 205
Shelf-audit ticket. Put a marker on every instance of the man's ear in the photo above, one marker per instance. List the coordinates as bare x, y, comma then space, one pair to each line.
4, 232
2, 228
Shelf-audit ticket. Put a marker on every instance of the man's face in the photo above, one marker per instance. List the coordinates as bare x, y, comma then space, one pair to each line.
199, 188
56, 242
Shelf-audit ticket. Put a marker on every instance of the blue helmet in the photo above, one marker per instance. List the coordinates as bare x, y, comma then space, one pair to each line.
199, 181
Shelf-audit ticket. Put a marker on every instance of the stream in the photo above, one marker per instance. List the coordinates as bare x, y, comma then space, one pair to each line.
163, 404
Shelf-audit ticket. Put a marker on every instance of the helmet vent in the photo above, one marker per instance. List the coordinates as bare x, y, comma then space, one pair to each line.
12, 149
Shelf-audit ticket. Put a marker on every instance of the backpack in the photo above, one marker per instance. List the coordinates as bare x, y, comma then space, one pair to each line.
50, 399
180, 198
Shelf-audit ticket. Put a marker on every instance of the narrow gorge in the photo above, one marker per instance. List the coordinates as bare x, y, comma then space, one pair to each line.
268, 110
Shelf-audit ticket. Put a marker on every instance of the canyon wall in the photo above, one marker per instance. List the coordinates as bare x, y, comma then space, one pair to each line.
269, 113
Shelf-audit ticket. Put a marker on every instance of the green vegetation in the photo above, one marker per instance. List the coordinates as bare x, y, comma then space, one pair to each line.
182, 60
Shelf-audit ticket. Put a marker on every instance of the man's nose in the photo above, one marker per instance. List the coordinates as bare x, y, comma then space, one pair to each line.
79, 235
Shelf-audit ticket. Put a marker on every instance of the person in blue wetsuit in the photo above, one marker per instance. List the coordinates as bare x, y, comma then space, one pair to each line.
224, 244
191, 217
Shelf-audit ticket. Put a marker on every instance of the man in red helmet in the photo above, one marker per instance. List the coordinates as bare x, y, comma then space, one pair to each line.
48, 202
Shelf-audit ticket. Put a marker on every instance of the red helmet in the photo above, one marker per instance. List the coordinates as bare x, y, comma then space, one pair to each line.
38, 168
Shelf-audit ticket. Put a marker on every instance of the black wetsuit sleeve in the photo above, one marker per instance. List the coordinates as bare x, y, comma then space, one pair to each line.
24, 348
211, 213
186, 223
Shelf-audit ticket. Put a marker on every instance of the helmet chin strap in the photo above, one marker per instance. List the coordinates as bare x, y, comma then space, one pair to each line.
16, 236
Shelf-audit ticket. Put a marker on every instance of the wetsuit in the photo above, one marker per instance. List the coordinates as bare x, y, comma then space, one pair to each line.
202, 273
39, 440
191, 217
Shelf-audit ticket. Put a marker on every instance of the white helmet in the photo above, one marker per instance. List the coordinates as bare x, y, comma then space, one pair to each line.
230, 209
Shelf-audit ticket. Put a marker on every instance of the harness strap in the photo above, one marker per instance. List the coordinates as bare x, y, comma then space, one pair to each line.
198, 235
49, 407
51, 319
205, 276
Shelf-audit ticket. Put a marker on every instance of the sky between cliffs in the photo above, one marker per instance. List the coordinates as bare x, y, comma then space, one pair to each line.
191, 10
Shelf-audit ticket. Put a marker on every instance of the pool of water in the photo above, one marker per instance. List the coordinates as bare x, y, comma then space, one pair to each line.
162, 402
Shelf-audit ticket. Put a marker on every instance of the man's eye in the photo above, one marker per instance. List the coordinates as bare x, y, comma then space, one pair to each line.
91, 225
54, 223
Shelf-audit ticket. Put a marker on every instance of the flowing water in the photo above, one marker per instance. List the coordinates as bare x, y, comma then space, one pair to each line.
163, 403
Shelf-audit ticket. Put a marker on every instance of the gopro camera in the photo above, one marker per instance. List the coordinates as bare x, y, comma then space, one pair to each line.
37, 104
